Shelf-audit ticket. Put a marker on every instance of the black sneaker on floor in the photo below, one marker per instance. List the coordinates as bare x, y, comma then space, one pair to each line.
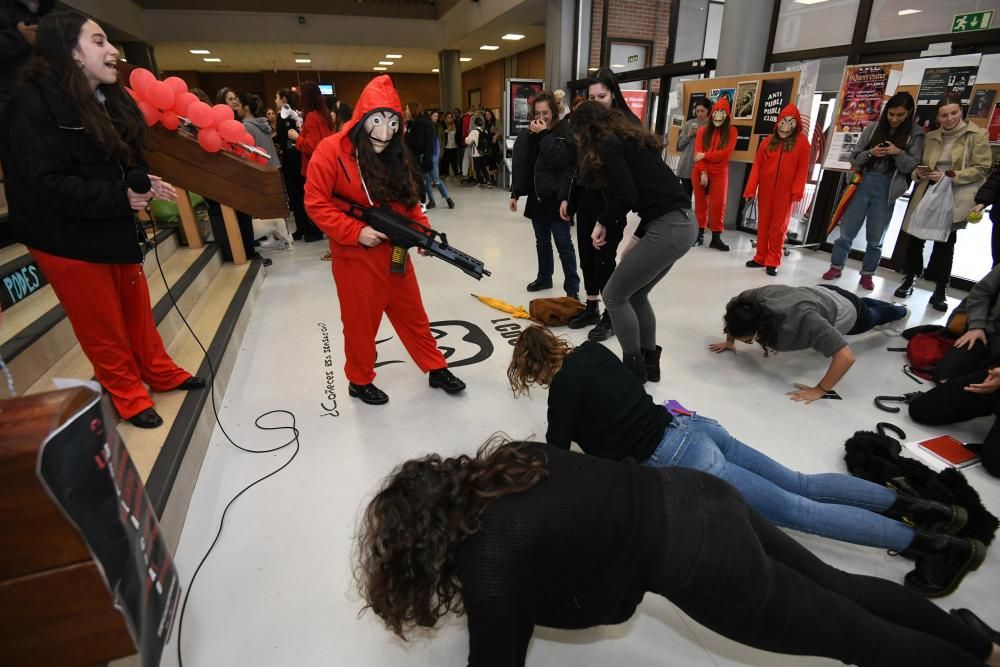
537, 286
368, 393
754, 264
431, 204
148, 418
442, 378
451, 203
701, 238
718, 244
604, 329
193, 382
771, 270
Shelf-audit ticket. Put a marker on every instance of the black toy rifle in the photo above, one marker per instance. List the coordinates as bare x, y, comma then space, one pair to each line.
404, 234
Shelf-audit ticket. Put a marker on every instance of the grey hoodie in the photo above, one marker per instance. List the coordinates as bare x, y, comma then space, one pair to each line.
261, 132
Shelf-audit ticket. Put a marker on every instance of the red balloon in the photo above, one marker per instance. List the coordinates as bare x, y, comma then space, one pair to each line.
200, 114
231, 130
248, 139
169, 120
139, 79
160, 95
133, 94
220, 113
210, 140
149, 112
176, 84
183, 102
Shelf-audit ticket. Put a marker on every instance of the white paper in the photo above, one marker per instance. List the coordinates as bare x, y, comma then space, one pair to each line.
893, 82
989, 69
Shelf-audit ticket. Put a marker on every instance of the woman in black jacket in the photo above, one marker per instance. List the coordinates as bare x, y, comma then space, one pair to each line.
989, 195
72, 142
543, 163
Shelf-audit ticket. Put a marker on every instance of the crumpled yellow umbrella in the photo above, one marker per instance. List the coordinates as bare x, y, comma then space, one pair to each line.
516, 311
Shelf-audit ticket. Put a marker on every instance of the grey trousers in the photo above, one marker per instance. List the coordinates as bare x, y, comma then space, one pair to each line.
626, 294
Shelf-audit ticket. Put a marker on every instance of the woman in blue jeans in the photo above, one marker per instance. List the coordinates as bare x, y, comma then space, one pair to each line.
886, 154
597, 403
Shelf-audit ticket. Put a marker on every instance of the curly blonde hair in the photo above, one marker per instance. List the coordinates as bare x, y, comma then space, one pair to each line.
538, 356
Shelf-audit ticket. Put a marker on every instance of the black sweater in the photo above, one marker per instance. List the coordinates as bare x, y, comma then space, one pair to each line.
638, 180
574, 551
599, 404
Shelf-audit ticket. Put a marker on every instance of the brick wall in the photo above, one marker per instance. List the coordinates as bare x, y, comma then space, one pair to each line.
645, 20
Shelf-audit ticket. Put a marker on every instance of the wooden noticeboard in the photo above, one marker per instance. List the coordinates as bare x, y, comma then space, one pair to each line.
750, 121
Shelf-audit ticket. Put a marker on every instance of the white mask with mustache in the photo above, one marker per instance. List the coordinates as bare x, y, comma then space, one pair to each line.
381, 127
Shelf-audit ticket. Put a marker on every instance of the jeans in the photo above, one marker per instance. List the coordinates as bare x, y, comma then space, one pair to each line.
833, 505
736, 574
626, 295
432, 178
871, 312
871, 202
556, 228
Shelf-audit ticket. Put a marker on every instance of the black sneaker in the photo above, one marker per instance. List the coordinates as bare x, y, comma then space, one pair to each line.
718, 243
538, 286
604, 329
771, 270
368, 393
442, 378
451, 204
701, 238
754, 264
148, 418
193, 382
431, 204
589, 317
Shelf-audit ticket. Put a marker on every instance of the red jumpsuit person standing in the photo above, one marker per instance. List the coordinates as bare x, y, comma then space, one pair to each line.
713, 145
366, 163
779, 178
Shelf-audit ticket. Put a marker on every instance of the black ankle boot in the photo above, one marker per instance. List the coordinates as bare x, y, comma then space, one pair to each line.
701, 237
590, 316
604, 329
905, 288
148, 418
939, 300
942, 562
976, 624
929, 515
718, 243
652, 359
451, 203
442, 378
368, 393
637, 364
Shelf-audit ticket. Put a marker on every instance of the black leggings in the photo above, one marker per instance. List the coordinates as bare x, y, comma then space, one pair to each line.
939, 266
597, 264
735, 573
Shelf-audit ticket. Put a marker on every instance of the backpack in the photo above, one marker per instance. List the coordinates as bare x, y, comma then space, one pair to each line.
485, 142
926, 349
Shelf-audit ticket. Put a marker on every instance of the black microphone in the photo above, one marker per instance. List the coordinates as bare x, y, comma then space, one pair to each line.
139, 183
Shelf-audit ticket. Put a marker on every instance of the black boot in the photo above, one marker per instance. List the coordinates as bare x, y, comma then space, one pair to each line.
928, 515
905, 288
718, 243
942, 562
590, 316
604, 329
652, 359
193, 382
701, 237
939, 300
442, 378
976, 624
538, 285
637, 364
451, 203
148, 418
368, 393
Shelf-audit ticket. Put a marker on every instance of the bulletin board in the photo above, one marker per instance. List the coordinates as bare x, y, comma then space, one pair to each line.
770, 92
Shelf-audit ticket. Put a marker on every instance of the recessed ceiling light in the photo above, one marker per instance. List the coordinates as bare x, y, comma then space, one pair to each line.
512, 36
386, 62
465, 60
488, 47
907, 12
809, 2
200, 52
212, 60
435, 70
303, 60
393, 55
379, 69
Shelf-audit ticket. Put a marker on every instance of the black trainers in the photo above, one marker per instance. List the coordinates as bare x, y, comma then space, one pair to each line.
905, 288
754, 264
451, 204
193, 382
368, 393
604, 329
537, 286
771, 270
148, 418
589, 317
718, 243
431, 204
701, 238
442, 378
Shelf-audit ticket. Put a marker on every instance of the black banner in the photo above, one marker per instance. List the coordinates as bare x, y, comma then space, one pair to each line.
774, 95
87, 470
19, 280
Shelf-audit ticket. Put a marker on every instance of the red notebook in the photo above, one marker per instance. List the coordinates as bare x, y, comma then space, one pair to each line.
949, 450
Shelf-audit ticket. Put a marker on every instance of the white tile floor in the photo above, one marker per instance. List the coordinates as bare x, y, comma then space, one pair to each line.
277, 590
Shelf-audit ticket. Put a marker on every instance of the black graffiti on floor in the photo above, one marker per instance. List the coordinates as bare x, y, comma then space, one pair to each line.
329, 402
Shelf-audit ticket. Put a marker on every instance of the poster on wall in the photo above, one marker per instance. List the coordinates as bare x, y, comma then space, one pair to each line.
637, 101
728, 93
520, 93
862, 93
938, 82
982, 104
746, 97
742, 137
994, 127
694, 100
774, 95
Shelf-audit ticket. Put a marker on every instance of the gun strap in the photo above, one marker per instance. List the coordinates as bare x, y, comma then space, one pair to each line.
398, 262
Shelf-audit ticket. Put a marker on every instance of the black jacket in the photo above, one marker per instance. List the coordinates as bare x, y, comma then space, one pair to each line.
65, 196
14, 49
542, 166
420, 138
989, 193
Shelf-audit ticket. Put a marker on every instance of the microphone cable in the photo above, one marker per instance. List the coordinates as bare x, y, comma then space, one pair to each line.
134, 181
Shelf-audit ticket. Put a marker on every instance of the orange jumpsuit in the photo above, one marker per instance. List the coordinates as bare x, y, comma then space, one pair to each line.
710, 207
365, 286
779, 179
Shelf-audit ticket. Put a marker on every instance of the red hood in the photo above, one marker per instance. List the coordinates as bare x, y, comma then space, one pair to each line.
793, 111
378, 94
723, 104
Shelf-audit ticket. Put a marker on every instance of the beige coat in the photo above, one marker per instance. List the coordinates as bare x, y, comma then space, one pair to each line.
974, 143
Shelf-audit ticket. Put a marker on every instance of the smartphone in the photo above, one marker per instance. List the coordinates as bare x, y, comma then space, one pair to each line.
923, 167
884, 144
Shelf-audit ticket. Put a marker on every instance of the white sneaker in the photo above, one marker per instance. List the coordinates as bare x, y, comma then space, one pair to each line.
896, 327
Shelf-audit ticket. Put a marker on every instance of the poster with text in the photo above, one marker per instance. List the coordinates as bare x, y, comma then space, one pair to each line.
938, 82
862, 93
774, 95
728, 93
636, 101
982, 103
746, 98
520, 93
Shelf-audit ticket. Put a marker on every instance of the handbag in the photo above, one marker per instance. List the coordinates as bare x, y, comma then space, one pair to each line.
933, 216
555, 311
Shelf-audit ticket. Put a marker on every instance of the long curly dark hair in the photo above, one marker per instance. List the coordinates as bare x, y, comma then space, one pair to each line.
593, 125
406, 551
124, 137
388, 175
747, 316
538, 356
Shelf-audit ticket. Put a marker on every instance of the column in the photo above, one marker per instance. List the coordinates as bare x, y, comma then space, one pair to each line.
450, 79
560, 28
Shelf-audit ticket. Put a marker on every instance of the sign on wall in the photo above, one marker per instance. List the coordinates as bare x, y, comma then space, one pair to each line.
518, 97
863, 91
774, 95
637, 101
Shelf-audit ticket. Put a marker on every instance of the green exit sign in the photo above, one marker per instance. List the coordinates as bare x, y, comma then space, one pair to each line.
972, 21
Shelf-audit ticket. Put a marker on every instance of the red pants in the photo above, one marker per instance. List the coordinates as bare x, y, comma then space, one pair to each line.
773, 216
108, 306
366, 290
711, 209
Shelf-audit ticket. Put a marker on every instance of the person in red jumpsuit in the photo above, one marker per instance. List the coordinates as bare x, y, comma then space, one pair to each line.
713, 145
779, 179
366, 163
